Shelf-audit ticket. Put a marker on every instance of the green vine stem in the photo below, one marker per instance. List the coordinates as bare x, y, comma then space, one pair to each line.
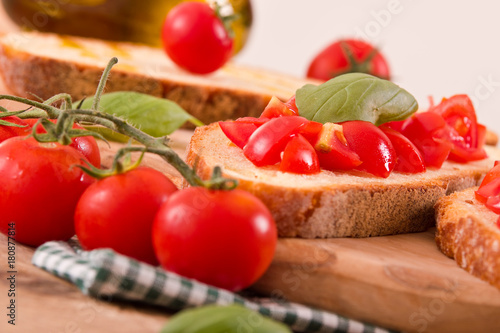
151, 144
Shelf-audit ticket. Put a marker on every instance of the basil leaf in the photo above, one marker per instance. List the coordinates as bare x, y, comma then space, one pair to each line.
154, 116
355, 96
219, 319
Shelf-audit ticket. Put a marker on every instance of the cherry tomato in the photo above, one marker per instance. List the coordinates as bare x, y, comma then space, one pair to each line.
195, 38
118, 211
11, 131
409, 159
266, 144
87, 145
348, 56
40, 188
276, 108
223, 238
333, 151
373, 147
424, 130
300, 157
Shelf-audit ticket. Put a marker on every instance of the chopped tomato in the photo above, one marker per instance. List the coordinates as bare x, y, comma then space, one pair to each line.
373, 147
237, 132
276, 108
395, 125
481, 135
409, 159
266, 144
333, 151
300, 157
252, 120
459, 114
311, 131
492, 174
493, 204
292, 105
463, 130
423, 129
487, 190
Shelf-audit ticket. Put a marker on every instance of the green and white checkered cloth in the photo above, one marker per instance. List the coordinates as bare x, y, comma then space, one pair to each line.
107, 275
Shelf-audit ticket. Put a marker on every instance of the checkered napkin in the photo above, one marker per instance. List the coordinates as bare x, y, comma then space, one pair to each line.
106, 275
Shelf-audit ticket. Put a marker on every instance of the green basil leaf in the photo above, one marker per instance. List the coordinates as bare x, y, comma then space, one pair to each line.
355, 96
154, 116
222, 319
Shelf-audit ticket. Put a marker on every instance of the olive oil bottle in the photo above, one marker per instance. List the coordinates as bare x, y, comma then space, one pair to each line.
120, 20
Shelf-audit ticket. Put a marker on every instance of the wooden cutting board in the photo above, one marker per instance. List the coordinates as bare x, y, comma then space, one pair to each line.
401, 282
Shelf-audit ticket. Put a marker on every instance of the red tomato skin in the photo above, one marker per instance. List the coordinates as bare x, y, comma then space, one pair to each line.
423, 130
237, 132
223, 238
276, 108
409, 159
492, 174
40, 188
372, 146
300, 157
7, 132
487, 190
87, 145
195, 38
117, 212
333, 151
266, 144
332, 61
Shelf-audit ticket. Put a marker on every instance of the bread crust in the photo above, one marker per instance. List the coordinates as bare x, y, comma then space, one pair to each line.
466, 231
29, 69
342, 204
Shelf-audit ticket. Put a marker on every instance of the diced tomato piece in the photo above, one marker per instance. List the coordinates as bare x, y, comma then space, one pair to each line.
252, 120
490, 189
237, 132
333, 151
292, 105
420, 129
492, 174
395, 125
459, 114
311, 131
481, 135
276, 108
373, 147
266, 144
493, 204
409, 159
464, 155
300, 157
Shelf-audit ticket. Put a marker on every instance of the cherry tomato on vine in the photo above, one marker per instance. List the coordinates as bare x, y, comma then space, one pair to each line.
223, 238
11, 131
118, 211
87, 145
195, 38
348, 56
40, 187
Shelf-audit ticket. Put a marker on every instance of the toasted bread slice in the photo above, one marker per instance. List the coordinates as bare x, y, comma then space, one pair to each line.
46, 64
467, 232
336, 204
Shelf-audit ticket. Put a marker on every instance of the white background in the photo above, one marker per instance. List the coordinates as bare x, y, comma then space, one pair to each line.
434, 48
